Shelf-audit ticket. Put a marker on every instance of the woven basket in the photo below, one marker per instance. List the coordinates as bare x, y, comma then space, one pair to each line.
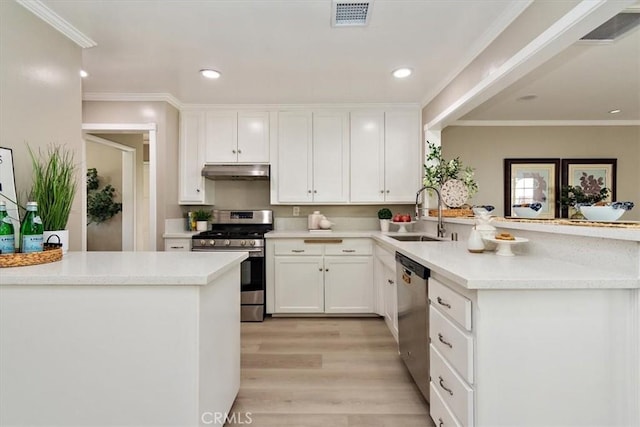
449, 213
21, 260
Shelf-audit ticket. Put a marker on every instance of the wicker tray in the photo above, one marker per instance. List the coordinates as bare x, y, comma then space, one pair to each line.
22, 260
449, 213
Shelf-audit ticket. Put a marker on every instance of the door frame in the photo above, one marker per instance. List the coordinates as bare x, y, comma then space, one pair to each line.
128, 191
153, 167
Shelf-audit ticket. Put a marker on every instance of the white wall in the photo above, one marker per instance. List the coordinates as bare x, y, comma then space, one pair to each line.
40, 98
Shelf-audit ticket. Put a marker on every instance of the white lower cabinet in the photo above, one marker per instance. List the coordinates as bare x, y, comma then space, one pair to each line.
320, 276
299, 284
385, 279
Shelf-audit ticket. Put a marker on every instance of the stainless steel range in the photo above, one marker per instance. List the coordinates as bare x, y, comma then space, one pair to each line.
241, 231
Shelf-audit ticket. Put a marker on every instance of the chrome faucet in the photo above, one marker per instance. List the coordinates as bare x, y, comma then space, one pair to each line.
441, 229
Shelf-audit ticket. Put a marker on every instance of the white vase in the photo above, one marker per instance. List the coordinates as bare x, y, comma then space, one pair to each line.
202, 225
384, 225
50, 236
475, 243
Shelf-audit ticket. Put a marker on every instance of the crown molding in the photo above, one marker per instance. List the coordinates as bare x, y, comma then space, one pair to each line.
281, 107
56, 21
145, 97
498, 123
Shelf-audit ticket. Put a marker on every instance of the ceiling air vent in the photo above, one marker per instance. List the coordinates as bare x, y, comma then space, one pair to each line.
350, 13
614, 27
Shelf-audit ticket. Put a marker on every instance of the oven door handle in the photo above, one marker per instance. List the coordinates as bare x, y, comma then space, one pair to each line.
251, 251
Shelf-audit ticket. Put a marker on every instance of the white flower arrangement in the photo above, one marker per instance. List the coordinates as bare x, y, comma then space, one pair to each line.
439, 172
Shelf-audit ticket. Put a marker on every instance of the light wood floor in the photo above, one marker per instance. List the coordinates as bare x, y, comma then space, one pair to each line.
337, 372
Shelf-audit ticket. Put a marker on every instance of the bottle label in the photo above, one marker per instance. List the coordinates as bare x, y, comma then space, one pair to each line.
37, 219
32, 243
7, 244
7, 220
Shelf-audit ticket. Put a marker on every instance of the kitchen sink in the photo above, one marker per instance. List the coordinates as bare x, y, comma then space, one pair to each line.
415, 239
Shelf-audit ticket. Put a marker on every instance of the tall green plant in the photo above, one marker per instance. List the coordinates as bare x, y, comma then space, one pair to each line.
54, 185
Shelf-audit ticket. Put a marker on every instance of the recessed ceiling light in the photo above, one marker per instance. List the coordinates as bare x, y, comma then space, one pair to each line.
83, 74
210, 74
614, 111
401, 73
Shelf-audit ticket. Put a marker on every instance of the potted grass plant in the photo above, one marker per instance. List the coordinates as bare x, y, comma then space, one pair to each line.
53, 188
202, 218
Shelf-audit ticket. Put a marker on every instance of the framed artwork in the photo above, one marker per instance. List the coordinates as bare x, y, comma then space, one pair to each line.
530, 181
592, 175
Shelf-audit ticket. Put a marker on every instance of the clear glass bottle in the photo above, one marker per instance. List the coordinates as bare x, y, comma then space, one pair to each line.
32, 230
7, 233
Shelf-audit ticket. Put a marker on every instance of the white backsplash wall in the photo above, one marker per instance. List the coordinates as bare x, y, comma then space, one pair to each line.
255, 195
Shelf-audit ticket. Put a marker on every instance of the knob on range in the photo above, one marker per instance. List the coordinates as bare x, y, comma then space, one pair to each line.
243, 243
212, 242
227, 243
252, 243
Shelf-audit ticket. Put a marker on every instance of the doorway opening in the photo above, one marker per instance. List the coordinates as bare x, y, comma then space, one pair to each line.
124, 154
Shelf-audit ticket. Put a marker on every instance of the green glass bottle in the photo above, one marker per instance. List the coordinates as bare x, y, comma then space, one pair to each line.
32, 230
7, 233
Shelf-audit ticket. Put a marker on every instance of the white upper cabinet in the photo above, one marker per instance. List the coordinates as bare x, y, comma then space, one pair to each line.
403, 162
191, 155
295, 163
330, 157
367, 157
385, 156
313, 157
237, 137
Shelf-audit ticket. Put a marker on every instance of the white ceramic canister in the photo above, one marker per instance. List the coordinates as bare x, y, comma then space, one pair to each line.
475, 243
313, 221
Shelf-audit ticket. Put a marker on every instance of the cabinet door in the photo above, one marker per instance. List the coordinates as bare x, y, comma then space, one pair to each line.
402, 156
330, 157
348, 284
390, 301
221, 137
367, 157
299, 284
191, 157
294, 163
253, 137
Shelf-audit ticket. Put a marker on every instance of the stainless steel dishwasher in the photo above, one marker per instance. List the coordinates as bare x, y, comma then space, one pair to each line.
413, 320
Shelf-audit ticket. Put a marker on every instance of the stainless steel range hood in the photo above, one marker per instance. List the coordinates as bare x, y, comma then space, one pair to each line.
236, 172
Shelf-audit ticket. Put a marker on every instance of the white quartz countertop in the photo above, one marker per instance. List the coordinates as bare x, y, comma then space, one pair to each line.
488, 270
126, 268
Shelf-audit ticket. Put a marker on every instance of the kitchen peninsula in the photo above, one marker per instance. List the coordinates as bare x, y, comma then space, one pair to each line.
120, 338
549, 337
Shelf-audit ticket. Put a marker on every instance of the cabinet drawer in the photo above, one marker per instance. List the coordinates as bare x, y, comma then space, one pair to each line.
450, 302
177, 245
349, 247
453, 343
297, 247
439, 412
453, 390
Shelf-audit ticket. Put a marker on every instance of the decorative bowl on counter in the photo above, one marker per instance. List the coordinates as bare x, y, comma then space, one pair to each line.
527, 210
611, 212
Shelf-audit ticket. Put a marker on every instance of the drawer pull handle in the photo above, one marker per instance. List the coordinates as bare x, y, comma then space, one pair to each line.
348, 250
297, 251
323, 241
177, 247
440, 422
443, 387
441, 339
441, 302
390, 281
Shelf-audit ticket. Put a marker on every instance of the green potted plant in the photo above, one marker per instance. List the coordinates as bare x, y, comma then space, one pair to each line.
384, 215
53, 188
202, 218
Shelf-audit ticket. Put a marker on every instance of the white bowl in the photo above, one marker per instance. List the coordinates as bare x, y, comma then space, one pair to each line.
601, 213
525, 212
